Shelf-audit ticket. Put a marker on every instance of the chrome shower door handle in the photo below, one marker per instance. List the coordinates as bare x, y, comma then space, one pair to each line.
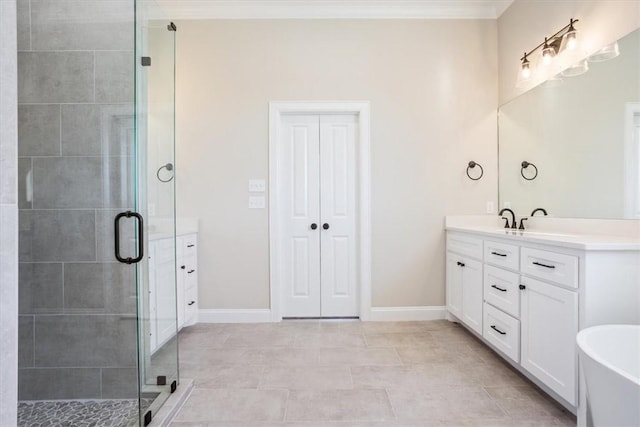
116, 236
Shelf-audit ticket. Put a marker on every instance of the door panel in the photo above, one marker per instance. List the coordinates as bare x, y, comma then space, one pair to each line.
299, 148
338, 135
472, 294
300, 266
318, 158
454, 285
549, 326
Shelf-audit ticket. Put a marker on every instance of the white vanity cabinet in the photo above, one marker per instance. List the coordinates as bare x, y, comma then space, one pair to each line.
187, 276
536, 296
173, 287
549, 322
464, 280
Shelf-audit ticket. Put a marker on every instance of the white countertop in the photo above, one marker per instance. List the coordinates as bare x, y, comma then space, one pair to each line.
163, 228
158, 236
591, 242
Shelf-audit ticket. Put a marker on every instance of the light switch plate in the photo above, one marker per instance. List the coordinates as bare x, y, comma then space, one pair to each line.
256, 202
489, 207
257, 186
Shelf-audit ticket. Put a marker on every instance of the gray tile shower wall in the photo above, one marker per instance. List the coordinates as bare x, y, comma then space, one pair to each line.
77, 329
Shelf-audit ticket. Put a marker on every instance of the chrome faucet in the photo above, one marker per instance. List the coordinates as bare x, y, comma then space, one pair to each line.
513, 218
539, 210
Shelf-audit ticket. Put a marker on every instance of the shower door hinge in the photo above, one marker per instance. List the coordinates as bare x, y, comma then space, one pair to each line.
145, 61
174, 386
147, 418
161, 380
172, 27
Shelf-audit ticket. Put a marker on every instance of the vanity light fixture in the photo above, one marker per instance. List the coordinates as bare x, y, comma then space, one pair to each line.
526, 67
576, 69
571, 36
564, 39
608, 52
548, 52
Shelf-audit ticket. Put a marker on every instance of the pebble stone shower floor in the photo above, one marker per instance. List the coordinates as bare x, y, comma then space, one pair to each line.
79, 413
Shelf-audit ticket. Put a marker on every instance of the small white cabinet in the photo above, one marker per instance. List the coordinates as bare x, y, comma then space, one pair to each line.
549, 321
173, 287
464, 280
187, 261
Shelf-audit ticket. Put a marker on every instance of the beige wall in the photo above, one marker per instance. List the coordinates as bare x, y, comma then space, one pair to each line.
433, 92
526, 22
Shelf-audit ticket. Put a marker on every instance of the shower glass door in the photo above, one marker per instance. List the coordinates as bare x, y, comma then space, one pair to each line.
156, 274
97, 302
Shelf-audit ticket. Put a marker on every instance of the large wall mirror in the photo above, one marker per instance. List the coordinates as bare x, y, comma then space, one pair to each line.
582, 133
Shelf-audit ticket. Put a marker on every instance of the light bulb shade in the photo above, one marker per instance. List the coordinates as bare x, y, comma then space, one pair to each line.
576, 69
547, 55
571, 39
526, 69
606, 53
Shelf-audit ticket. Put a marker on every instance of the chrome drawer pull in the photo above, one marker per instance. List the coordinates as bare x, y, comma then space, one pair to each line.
498, 254
543, 265
500, 289
498, 330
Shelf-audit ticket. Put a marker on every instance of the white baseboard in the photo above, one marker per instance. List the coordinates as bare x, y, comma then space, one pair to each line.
377, 314
395, 314
259, 315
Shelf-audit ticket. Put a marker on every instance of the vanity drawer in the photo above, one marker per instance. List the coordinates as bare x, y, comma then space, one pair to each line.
550, 266
464, 245
189, 245
501, 290
502, 331
502, 254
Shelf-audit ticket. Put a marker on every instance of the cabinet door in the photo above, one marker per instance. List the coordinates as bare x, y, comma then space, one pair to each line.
454, 285
153, 315
472, 294
549, 322
165, 287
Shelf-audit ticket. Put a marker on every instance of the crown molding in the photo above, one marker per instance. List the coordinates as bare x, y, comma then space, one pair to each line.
334, 9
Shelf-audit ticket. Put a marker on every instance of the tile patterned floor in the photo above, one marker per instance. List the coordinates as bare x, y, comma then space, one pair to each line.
310, 373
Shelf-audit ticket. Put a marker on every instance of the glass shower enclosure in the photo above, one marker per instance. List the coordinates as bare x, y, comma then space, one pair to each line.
96, 184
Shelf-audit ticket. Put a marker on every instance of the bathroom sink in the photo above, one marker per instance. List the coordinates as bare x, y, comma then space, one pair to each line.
610, 358
543, 234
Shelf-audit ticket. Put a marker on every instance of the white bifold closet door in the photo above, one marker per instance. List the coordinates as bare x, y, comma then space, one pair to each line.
318, 154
